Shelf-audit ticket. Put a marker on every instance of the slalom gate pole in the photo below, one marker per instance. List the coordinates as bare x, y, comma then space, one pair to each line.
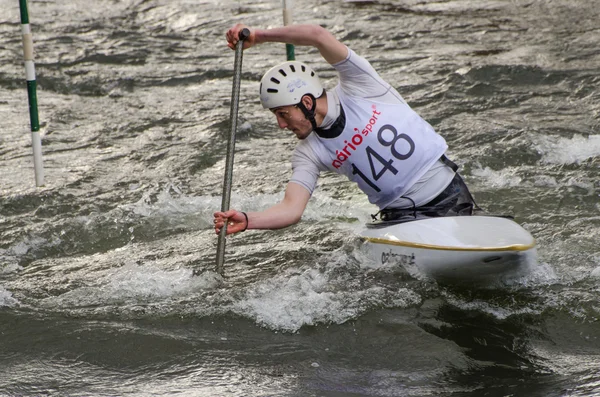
287, 20
36, 141
235, 100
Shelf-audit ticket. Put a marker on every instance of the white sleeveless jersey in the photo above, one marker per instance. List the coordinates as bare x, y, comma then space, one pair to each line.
385, 148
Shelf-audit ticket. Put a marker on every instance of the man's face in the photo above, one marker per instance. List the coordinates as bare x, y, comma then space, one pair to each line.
292, 118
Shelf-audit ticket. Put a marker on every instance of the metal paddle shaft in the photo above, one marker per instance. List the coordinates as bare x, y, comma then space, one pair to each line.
235, 100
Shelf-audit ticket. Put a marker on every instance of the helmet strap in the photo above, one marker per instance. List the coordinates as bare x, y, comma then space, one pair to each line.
309, 113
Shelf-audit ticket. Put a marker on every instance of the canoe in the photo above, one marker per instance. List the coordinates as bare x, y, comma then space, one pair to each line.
454, 249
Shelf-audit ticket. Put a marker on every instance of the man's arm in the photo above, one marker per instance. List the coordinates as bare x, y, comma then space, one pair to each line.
286, 213
302, 35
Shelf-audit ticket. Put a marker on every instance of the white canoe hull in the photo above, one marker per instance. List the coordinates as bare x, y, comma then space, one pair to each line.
463, 248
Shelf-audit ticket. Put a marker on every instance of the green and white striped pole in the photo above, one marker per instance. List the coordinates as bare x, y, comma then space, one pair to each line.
36, 141
287, 20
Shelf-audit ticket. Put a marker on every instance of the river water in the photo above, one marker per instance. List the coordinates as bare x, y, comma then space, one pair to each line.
107, 281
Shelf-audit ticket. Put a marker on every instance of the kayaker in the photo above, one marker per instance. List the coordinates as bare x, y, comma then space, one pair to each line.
363, 129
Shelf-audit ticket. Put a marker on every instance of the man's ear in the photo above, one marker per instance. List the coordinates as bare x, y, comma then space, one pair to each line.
308, 101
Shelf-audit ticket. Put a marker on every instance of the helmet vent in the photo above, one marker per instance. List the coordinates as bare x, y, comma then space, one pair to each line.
303, 68
282, 72
272, 90
292, 68
312, 74
274, 80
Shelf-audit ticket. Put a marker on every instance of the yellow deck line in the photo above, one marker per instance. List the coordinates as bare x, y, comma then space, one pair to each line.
514, 247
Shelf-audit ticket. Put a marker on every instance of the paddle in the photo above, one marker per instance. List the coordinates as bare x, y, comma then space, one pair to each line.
235, 99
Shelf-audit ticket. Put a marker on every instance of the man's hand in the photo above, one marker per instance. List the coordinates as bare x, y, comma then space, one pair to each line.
233, 36
236, 221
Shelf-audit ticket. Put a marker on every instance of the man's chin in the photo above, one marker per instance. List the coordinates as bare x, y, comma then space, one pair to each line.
304, 136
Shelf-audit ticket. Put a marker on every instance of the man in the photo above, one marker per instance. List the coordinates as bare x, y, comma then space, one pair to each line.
363, 129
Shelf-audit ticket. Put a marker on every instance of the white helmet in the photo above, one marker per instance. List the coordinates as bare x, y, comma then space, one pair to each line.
287, 83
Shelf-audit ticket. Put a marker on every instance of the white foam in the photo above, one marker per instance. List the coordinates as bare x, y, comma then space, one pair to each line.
245, 127
545, 180
134, 283
506, 177
147, 282
6, 298
311, 296
288, 302
165, 204
498, 312
8, 262
9, 258
537, 273
561, 150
